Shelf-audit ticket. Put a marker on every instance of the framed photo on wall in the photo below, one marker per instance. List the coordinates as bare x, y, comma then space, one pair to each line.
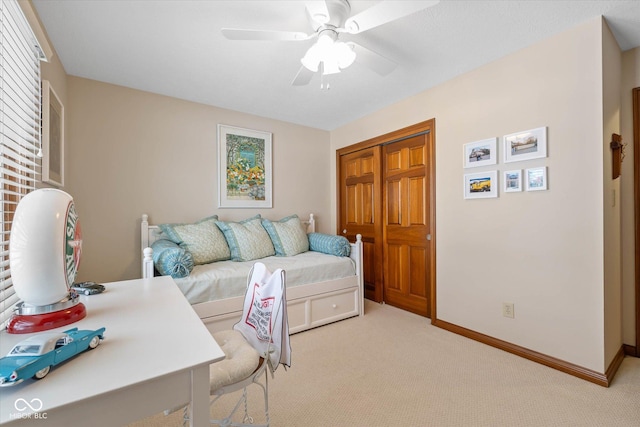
481, 185
244, 168
52, 136
481, 153
536, 179
512, 181
525, 145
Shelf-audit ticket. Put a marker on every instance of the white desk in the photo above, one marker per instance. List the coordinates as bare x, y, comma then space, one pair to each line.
155, 355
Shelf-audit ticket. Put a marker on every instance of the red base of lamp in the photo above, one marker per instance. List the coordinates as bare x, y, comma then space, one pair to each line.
27, 323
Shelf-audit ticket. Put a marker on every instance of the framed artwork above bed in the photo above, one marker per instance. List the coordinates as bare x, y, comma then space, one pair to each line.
244, 168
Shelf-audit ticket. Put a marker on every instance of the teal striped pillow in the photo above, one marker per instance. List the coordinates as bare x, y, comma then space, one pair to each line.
287, 235
329, 244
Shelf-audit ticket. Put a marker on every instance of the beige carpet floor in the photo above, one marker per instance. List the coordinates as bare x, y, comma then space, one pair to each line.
392, 368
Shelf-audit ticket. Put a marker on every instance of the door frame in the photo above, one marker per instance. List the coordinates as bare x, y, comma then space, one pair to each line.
422, 127
636, 179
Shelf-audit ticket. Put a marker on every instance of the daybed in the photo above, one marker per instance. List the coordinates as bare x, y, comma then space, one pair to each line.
321, 288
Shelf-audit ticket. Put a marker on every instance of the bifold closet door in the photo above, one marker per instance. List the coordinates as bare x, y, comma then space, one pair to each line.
407, 242
360, 212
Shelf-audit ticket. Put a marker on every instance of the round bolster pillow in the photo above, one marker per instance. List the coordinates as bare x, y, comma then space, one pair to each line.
171, 260
329, 244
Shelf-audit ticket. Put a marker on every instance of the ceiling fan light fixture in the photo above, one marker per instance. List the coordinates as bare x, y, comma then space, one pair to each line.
311, 59
325, 43
344, 54
318, 52
330, 66
334, 55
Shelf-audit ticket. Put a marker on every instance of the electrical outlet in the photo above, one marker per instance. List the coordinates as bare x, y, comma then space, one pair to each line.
507, 309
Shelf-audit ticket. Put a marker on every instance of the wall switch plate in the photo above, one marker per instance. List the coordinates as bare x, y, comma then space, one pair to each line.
507, 309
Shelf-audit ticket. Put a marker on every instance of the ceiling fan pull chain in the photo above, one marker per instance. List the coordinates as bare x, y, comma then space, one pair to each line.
322, 85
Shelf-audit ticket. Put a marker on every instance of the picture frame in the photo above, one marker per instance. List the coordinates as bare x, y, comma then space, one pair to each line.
481, 153
536, 179
525, 145
52, 136
512, 181
244, 168
481, 185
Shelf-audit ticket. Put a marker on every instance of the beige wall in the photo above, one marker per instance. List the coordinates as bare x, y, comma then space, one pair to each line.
630, 79
543, 251
133, 152
612, 73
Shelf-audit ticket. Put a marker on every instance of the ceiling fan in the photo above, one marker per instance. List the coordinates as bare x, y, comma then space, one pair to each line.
329, 19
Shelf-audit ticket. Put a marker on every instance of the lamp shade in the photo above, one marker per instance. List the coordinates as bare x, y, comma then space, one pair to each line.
345, 54
45, 246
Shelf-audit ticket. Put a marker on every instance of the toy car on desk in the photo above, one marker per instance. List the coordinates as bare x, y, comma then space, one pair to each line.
35, 356
87, 288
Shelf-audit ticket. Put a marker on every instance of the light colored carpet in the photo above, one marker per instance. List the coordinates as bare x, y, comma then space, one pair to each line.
392, 368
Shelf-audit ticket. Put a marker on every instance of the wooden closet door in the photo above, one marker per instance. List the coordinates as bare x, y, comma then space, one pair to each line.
406, 233
360, 212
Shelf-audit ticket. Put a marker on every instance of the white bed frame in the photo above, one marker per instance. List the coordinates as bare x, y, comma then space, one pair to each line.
308, 306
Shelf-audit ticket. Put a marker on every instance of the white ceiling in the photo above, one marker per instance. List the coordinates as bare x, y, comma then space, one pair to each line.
175, 48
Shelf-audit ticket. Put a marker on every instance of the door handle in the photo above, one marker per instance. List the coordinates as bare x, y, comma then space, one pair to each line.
344, 231
428, 236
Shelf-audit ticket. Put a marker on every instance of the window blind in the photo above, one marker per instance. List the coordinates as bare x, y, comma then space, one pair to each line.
20, 124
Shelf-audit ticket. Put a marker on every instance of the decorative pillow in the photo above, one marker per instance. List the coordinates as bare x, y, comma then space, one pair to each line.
203, 239
170, 259
329, 244
247, 240
287, 235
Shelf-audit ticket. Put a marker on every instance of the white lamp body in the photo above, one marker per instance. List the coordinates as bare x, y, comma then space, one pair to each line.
45, 246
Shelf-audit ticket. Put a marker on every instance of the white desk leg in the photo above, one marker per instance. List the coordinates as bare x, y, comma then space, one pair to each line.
199, 409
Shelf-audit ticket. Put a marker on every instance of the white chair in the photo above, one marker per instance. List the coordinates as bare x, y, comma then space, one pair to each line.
260, 340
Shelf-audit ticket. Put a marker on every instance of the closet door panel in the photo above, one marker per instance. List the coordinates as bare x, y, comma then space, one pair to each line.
359, 189
406, 244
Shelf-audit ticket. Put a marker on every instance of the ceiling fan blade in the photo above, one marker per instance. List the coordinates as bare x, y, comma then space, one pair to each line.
373, 60
317, 13
383, 12
239, 34
303, 77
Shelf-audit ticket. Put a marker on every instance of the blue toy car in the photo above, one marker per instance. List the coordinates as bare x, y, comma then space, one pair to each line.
35, 356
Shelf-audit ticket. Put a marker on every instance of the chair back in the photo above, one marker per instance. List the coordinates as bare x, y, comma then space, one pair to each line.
264, 322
